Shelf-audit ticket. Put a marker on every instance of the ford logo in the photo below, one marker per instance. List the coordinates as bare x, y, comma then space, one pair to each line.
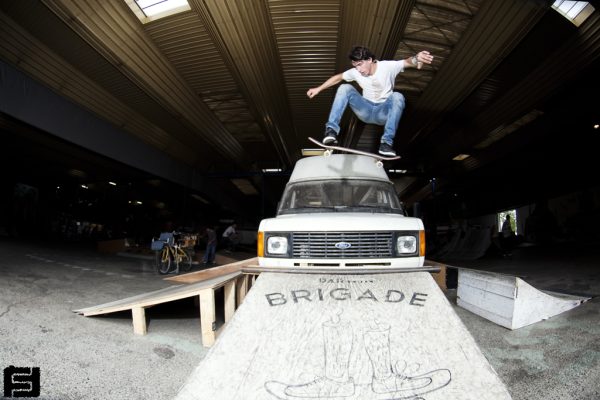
342, 245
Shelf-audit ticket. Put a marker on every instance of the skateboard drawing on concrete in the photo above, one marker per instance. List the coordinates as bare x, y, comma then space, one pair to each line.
329, 149
389, 381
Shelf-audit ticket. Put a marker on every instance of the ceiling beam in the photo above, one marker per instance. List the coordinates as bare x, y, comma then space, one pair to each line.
114, 31
31, 56
470, 61
242, 31
533, 90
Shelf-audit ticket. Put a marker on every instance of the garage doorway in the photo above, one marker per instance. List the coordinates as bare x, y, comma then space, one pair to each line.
501, 217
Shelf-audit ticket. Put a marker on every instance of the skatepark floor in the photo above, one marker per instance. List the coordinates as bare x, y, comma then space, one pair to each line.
100, 357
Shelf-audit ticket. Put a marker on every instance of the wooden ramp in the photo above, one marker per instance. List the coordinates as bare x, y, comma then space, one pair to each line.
201, 284
210, 273
384, 337
508, 300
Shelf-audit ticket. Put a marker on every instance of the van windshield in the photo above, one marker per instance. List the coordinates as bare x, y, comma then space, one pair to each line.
342, 195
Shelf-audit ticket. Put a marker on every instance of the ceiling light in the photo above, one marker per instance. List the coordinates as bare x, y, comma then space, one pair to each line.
397, 171
267, 170
84, 187
461, 157
112, 183
596, 126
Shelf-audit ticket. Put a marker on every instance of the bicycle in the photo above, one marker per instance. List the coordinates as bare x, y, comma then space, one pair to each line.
172, 254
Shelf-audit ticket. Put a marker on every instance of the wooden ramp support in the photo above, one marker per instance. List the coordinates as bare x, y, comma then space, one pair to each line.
229, 277
311, 336
508, 300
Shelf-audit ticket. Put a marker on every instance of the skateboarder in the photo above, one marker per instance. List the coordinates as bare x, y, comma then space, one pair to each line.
378, 104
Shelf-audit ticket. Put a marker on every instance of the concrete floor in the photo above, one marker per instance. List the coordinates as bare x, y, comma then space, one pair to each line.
100, 357
554, 359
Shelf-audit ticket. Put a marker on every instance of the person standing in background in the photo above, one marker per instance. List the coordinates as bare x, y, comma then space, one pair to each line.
211, 246
229, 238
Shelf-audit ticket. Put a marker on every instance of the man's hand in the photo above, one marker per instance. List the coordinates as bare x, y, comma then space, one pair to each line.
334, 80
423, 57
312, 92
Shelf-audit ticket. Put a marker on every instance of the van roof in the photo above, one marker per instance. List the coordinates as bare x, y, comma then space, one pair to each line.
338, 166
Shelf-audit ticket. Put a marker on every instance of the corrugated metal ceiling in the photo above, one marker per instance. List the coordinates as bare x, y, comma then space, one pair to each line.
225, 83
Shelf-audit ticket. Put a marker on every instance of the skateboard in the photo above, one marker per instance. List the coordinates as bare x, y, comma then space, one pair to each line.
329, 149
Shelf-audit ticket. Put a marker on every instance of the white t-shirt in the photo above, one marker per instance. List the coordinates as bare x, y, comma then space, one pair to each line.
229, 231
379, 86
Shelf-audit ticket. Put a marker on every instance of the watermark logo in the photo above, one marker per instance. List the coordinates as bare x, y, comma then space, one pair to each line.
21, 382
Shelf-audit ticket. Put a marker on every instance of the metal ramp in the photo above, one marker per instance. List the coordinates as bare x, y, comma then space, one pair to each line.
311, 336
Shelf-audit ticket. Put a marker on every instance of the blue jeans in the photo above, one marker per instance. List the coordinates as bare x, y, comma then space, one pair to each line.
209, 255
386, 114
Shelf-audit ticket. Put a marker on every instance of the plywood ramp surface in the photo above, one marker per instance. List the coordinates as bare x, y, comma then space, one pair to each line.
348, 337
172, 293
210, 273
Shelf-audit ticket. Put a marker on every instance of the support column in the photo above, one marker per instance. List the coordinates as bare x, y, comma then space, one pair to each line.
138, 315
207, 317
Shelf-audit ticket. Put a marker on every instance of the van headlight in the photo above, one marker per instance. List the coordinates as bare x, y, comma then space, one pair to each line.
406, 244
277, 245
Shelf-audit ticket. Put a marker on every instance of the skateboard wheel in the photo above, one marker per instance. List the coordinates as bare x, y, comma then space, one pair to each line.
379, 163
327, 153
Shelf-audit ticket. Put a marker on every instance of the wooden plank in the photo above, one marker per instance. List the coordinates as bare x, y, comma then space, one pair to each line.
440, 277
124, 304
241, 288
229, 299
207, 317
307, 336
159, 296
138, 315
211, 273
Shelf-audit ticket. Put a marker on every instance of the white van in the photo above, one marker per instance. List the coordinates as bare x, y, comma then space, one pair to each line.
340, 212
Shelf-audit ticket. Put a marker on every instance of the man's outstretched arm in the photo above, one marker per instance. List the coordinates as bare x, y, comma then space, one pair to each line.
417, 61
334, 80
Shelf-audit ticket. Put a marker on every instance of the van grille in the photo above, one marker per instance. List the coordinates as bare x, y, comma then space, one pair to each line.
323, 244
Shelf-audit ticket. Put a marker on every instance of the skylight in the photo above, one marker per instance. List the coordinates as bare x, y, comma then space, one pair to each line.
150, 10
575, 11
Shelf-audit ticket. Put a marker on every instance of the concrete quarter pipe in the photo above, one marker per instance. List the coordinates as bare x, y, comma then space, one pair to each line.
386, 336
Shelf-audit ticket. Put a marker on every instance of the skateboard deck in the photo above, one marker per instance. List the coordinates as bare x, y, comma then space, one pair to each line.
329, 149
